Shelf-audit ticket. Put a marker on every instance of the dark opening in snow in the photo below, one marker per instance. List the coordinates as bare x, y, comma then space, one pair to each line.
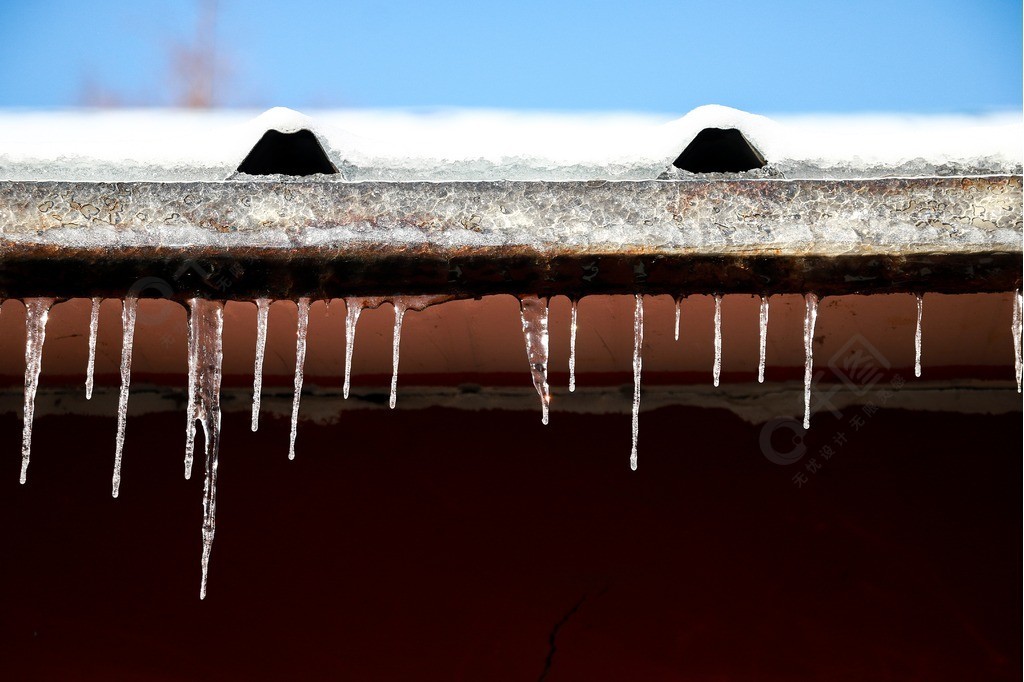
719, 150
278, 153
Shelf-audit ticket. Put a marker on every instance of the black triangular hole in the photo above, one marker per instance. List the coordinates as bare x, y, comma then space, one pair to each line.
719, 150
278, 153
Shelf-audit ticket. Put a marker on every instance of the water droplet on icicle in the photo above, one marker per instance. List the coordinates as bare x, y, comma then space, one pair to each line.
262, 316
1015, 329
810, 318
129, 308
679, 312
37, 310
401, 305
638, 342
94, 327
763, 339
207, 322
300, 360
572, 346
534, 312
917, 336
717, 370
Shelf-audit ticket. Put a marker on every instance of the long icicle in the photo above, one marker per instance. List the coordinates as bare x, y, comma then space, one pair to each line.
396, 342
300, 360
638, 343
262, 316
917, 336
37, 310
209, 328
353, 308
763, 339
129, 308
810, 318
193, 369
94, 327
1015, 329
679, 312
572, 346
717, 370
534, 313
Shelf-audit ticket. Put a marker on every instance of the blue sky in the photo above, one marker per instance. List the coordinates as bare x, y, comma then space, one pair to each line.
657, 56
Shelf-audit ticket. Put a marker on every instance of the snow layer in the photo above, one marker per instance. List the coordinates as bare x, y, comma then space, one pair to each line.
456, 145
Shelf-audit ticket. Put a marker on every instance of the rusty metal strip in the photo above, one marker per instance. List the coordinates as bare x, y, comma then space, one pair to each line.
284, 239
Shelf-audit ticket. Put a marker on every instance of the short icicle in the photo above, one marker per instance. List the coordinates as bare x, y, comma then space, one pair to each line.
262, 315
403, 304
129, 308
353, 308
638, 343
764, 339
917, 336
572, 346
810, 318
717, 370
396, 343
679, 311
193, 369
94, 326
207, 318
37, 310
300, 360
1015, 329
534, 312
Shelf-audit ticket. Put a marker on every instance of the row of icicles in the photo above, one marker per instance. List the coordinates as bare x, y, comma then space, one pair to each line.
205, 359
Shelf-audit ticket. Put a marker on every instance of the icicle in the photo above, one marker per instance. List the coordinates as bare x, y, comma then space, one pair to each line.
679, 310
262, 314
94, 326
207, 323
534, 312
193, 368
129, 307
36, 312
811, 317
402, 304
764, 339
353, 307
572, 347
638, 342
396, 342
1015, 329
917, 336
717, 371
300, 360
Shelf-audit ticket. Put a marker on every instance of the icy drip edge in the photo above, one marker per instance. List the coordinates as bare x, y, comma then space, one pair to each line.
129, 309
209, 331
353, 308
94, 326
190, 409
37, 310
300, 360
638, 342
717, 370
679, 310
262, 315
572, 346
763, 339
810, 318
917, 335
534, 313
1015, 329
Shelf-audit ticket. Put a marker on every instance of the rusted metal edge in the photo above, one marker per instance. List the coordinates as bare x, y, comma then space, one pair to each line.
247, 239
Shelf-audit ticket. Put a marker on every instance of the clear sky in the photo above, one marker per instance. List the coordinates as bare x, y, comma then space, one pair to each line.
925, 56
